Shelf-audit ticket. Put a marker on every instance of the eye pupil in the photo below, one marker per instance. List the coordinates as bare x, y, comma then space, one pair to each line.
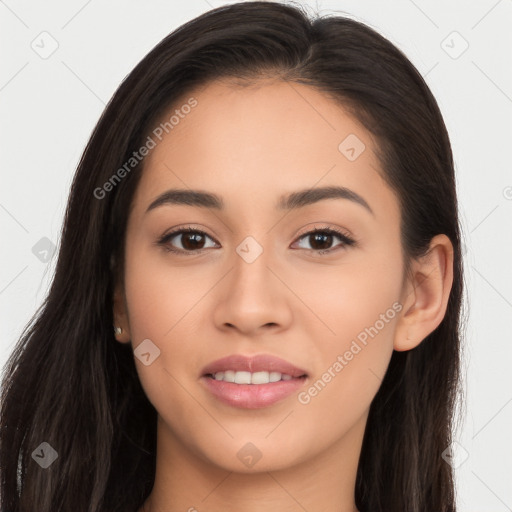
195, 236
324, 236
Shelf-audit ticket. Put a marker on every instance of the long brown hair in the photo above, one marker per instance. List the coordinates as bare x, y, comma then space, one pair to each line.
69, 384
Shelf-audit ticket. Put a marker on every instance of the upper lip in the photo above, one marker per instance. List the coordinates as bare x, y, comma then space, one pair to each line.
258, 363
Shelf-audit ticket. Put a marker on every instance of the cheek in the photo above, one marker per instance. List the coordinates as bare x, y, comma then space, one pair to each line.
162, 302
349, 297
160, 296
358, 308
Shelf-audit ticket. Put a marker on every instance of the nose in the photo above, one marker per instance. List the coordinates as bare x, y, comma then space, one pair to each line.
253, 299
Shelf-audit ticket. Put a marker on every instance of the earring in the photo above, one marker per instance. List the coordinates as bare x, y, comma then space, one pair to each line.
118, 330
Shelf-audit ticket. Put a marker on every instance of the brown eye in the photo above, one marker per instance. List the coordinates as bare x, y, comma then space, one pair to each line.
191, 241
321, 240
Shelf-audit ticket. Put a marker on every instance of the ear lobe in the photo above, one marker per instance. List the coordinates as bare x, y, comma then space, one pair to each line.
120, 316
426, 294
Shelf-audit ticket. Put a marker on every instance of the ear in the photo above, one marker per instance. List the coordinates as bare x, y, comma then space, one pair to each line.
120, 314
425, 294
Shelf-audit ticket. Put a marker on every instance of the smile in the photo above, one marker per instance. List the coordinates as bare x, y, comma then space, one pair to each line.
250, 378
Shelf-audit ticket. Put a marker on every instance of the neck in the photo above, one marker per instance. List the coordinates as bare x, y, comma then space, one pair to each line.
185, 481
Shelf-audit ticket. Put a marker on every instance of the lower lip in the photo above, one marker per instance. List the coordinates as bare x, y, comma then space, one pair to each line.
252, 396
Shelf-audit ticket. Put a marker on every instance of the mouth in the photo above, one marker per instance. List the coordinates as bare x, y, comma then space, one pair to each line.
256, 378
252, 382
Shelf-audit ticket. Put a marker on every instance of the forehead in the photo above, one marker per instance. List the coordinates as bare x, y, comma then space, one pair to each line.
256, 142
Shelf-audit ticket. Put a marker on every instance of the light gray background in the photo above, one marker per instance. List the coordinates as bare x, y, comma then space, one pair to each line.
49, 105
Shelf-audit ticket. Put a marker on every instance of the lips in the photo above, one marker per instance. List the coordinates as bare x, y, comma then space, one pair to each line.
258, 363
252, 382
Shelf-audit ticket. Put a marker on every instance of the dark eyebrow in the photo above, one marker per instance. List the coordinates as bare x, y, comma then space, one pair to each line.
289, 201
188, 197
313, 195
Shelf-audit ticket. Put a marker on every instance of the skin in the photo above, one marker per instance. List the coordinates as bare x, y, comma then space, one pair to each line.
251, 145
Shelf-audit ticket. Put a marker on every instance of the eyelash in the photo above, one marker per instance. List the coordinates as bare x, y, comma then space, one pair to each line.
163, 241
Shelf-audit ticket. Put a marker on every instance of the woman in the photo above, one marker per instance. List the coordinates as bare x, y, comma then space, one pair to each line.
257, 297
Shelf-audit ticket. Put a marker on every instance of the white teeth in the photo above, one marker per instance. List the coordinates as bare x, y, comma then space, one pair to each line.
274, 376
260, 378
242, 377
229, 376
251, 378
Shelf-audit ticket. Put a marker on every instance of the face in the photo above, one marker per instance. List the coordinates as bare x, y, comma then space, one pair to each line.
317, 285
